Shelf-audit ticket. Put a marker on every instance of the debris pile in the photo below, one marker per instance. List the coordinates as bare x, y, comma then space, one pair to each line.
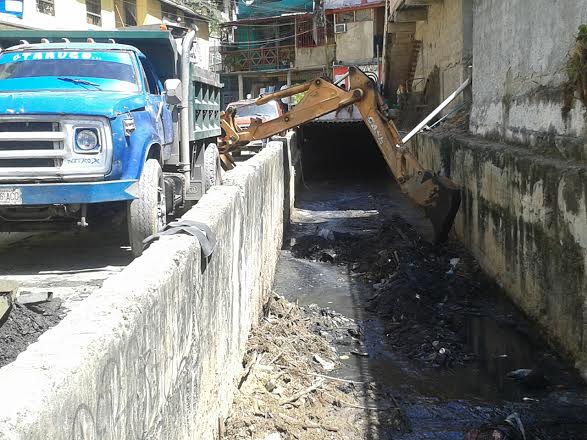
289, 388
24, 323
422, 291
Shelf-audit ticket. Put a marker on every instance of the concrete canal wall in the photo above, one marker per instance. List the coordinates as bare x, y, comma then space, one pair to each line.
524, 217
156, 352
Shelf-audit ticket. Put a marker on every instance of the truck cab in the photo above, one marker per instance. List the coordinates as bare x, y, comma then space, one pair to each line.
93, 119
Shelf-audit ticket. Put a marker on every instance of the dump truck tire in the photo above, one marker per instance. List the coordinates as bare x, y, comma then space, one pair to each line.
146, 214
212, 166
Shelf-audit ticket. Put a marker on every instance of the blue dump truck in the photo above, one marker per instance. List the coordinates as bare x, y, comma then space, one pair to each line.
98, 125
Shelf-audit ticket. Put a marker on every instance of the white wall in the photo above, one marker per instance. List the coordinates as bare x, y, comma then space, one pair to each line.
356, 44
307, 57
69, 14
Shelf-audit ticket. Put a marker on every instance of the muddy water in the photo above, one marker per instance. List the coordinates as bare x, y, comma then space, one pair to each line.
438, 403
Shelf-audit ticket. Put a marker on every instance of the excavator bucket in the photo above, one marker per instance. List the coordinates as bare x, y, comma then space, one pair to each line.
439, 196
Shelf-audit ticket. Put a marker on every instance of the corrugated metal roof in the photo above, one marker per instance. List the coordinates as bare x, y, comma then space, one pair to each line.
344, 4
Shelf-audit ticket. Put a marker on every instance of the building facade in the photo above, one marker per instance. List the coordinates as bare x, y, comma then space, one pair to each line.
97, 14
272, 44
106, 14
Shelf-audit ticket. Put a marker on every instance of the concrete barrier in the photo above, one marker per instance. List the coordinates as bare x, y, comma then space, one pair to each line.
155, 353
524, 217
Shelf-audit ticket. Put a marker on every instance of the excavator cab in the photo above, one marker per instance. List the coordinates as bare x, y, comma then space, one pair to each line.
438, 195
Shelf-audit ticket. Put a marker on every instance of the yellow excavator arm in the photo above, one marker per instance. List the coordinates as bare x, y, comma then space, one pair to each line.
438, 195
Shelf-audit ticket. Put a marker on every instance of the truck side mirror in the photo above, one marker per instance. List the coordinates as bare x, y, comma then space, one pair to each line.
173, 91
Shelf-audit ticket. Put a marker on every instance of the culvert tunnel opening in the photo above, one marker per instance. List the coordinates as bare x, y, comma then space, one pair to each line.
341, 151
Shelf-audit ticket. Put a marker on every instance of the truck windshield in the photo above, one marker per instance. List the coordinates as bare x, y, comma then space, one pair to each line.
46, 70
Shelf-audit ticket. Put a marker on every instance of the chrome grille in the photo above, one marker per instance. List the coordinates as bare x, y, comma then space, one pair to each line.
28, 126
41, 147
42, 152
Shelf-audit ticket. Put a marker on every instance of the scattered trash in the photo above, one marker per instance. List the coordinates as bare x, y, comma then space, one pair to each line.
411, 292
284, 392
360, 353
453, 265
326, 234
529, 378
326, 365
509, 429
33, 296
328, 256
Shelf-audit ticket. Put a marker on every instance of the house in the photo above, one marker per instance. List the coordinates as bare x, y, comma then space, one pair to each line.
428, 50
97, 14
289, 41
106, 14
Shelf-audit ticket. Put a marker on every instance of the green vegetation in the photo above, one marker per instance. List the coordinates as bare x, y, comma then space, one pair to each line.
207, 10
577, 71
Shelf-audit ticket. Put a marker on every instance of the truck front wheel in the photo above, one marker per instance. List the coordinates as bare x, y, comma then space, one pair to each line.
146, 215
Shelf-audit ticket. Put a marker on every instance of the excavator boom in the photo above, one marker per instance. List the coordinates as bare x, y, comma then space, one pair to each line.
438, 195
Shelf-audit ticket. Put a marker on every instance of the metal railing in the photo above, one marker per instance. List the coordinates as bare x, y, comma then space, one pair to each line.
257, 58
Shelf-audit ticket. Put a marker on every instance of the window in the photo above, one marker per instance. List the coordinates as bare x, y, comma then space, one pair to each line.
107, 71
251, 110
345, 17
363, 15
125, 12
151, 81
352, 16
94, 12
169, 13
46, 7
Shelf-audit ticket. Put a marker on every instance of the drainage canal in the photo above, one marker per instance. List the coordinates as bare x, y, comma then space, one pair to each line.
423, 343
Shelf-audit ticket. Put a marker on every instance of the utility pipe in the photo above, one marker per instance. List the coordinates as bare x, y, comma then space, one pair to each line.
186, 47
438, 109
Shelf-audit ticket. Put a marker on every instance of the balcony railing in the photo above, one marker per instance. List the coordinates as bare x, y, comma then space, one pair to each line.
257, 59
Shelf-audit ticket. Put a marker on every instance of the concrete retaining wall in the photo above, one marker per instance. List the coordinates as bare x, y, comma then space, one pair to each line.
524, 217
520, 53
155, 353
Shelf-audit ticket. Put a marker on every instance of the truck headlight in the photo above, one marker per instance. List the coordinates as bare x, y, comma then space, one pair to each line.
87, 140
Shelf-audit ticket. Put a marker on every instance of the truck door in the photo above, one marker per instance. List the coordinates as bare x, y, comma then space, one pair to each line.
160, 108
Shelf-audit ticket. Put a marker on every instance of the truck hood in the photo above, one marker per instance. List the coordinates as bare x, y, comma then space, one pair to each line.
109, 104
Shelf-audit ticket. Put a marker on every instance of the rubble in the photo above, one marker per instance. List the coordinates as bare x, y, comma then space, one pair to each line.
289, 389
23, 324
413, 282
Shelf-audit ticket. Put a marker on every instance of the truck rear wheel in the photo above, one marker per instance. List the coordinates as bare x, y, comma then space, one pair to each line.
146, 215
212, 167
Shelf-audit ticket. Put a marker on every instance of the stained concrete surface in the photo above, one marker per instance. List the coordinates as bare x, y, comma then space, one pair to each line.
155, 352
523, 216
519, 81
438, 403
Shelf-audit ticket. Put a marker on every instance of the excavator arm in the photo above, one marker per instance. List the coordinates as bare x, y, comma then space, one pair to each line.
438, 195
